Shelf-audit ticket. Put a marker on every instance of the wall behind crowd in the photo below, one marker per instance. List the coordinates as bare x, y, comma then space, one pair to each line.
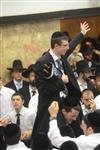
72, 25
25, 41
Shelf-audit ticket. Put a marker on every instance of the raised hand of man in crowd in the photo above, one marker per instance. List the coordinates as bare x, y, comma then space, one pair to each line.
84, 27
53, 109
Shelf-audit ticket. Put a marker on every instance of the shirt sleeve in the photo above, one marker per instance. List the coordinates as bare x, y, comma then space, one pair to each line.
55, 136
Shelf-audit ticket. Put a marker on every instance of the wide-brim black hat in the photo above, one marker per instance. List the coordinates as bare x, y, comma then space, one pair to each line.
17, 65
26, 73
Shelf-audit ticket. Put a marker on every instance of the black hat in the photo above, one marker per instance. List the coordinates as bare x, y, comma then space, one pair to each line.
27, 72
97, 71
82, 66
70, 101
94, 118
58, 34
69, 145
17, 65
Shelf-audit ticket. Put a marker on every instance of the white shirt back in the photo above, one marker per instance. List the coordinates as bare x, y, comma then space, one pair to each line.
5, 101
19, 146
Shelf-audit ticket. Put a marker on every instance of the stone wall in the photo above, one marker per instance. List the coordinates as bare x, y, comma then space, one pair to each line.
25, 41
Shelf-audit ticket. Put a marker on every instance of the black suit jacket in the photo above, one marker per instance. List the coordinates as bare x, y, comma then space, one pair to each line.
49, 89
11, 85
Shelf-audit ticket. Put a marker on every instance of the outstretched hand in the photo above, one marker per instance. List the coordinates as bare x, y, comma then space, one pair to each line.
84, 27
53, 109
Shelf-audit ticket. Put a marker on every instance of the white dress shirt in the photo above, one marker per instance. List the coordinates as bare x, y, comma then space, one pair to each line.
27, 118
33, 103
55, 58
19, 146
83, 142
5, 101
97, 101
82, 86
18, 85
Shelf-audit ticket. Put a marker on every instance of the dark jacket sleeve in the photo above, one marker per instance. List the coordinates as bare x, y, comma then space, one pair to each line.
73, 43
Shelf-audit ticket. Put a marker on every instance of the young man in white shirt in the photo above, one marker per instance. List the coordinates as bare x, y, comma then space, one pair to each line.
90, 126
21, 116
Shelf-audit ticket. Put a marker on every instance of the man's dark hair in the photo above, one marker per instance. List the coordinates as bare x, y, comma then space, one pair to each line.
92, 121
69, 108
97, 147
68, 145
12, 134
18, 94
57, 38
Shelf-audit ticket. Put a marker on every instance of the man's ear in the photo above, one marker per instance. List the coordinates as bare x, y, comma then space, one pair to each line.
23, 101
56, 45
63, 111
90, 130
82, 100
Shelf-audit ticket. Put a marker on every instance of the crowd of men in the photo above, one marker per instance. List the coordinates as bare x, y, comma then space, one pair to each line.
57, 106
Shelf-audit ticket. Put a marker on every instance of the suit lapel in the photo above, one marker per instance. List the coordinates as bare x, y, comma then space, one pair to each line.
13, 85
49, 57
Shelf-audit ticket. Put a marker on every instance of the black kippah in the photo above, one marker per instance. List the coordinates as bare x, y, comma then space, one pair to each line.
58, 34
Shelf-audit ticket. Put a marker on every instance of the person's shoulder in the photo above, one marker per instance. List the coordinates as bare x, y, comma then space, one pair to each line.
27, 111
97, 97
8, 90
44, 57
9, 83
25, 83
12, 113
21, 146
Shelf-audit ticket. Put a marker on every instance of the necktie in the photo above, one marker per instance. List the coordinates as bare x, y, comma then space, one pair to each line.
19, 85
59, 68
33, 93
18, 119
59, 64
60, 72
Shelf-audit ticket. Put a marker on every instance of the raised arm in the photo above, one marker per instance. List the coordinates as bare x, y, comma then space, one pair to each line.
84, 27
54, 133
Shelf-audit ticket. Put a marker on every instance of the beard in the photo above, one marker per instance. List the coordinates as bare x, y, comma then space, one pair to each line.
32, 83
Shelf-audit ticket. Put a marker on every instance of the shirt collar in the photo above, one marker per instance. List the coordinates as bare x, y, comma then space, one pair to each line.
2, 90
21, 112
55, 57
16, 83
82, 84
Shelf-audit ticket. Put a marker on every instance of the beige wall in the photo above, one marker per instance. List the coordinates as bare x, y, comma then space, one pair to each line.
25, 41
20, 7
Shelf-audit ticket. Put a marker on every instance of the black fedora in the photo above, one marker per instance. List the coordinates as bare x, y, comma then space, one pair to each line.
26, 73
17, 65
